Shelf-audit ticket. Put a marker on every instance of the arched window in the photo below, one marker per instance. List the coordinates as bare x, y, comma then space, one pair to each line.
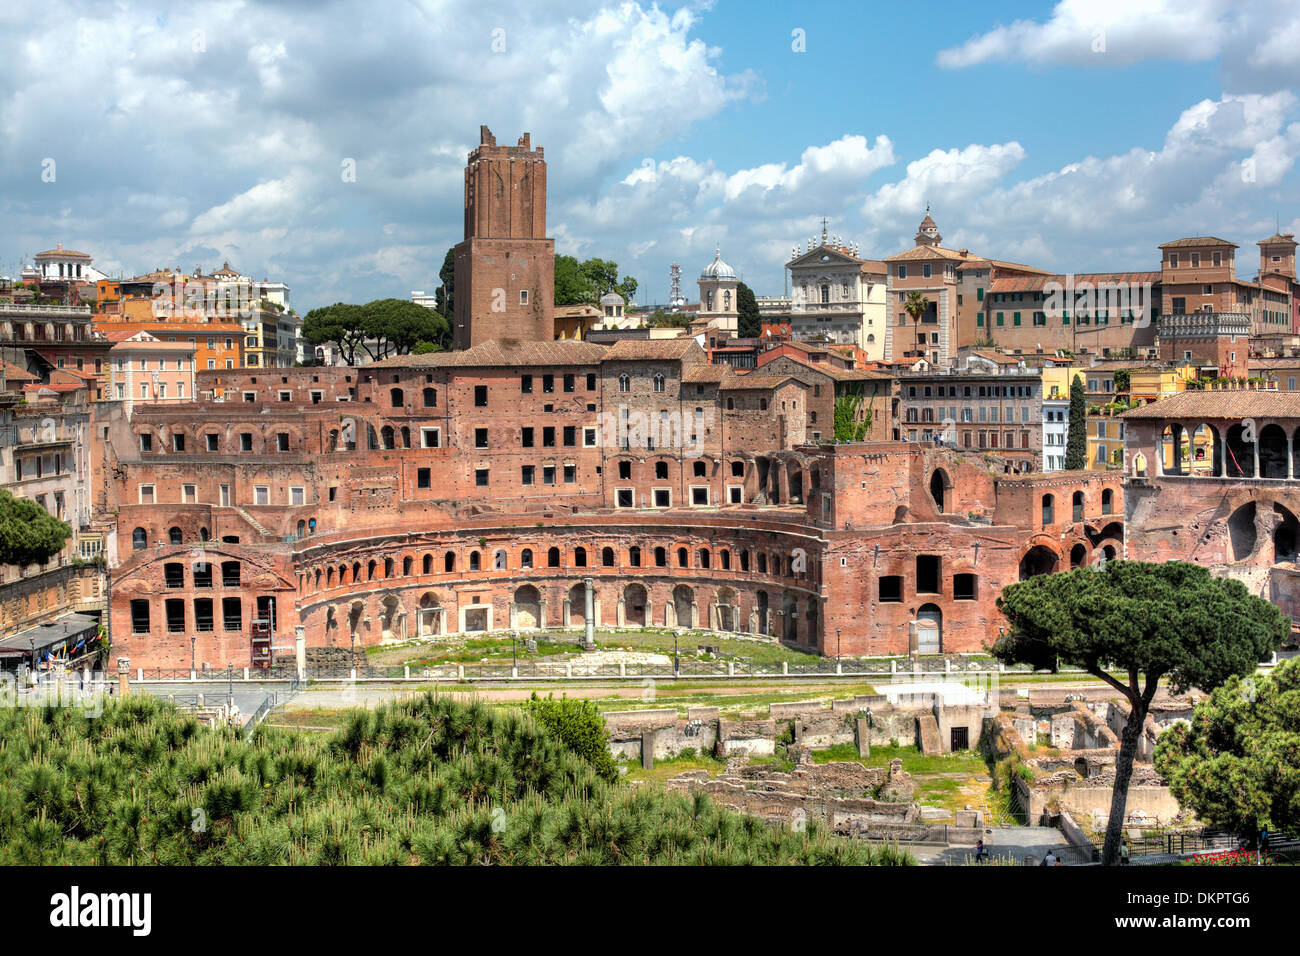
725, 557
682, 558
659, 381
203, 534
174, 535
388, 567
1077, 504
473, 561
387, 433
553, 558
607, 557
1049, 510
526, 558
634, 556
1107, 501
580, 557
661, 558
449, 561
139, 539
408, 565
624, 383
427, 564
703, 557
302, 528
398, 400
370, 571
430, 397
499, 560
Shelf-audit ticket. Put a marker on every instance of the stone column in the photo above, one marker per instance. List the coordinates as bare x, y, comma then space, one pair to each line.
670, 614
565, 611
514, 615
753, 622
123, 676
300, 650
542, 619
588, 620
620, 614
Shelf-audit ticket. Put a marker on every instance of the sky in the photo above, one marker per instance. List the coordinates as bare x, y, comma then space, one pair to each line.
1074, 136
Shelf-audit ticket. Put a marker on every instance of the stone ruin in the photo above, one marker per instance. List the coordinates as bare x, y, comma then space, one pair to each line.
869, 802
1075, 775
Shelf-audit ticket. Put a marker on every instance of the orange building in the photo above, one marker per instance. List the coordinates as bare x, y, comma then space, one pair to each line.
131, 305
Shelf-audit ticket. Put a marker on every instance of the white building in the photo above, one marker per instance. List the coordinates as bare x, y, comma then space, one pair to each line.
718, 309
66, 264
836, 296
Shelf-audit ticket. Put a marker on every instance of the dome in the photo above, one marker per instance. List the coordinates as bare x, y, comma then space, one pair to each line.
612, 298
717, 269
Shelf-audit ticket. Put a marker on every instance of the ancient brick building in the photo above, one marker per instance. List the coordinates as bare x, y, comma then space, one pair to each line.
1214, 477
518, 485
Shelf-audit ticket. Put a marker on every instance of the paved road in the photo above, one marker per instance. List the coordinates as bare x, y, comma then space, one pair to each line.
1013, 842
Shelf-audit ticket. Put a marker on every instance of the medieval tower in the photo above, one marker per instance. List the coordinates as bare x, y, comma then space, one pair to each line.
505, 266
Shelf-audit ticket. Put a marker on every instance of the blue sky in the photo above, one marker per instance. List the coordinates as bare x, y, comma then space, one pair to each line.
1073, 136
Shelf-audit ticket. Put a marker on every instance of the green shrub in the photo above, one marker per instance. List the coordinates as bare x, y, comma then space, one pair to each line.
578, 725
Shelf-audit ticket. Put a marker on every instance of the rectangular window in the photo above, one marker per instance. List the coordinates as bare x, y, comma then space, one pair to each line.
480, 396
481, 477
423, 479
663, 497
261, 494
548, 474
213, 441
146, 494
570, 436
569, 382
891, 588
282, 441
232, 614
480, 438
526, 474
297, 495
548, 436
526, 384
203, 614
189, 494
140, 617
224, 496
430, 437
928, 569
245, 441
570, 474
624, 497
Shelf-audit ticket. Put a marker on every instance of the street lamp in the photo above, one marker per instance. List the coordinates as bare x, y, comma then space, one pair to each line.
193, 638
514, 660
837, 645
676, 666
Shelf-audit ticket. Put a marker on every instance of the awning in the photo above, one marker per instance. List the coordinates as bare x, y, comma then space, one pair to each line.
62, 632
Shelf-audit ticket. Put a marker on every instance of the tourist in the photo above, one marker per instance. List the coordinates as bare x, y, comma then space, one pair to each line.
1049, 860
981, 854
1123, 852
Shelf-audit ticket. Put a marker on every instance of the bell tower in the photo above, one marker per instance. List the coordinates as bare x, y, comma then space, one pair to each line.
505, 266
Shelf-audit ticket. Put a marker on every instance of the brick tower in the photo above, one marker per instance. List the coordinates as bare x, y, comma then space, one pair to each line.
505, 267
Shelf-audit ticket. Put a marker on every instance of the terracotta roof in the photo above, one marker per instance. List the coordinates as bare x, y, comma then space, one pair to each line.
652, 349
930, 252
1230, 403
505, 352
1287, 237
15, 374
1037, 282
54, 387
1197, 241
61, 254
702, 373
753, 380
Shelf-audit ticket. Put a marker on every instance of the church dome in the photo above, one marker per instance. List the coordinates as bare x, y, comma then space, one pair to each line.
612, 298
717, 269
